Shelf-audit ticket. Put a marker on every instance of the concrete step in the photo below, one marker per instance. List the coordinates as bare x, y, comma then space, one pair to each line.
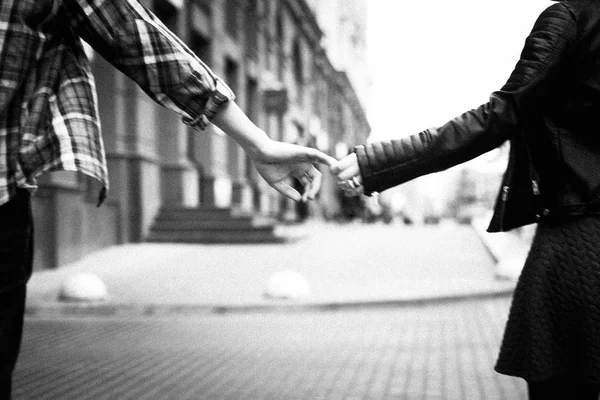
201, 213
231, 237
210, 225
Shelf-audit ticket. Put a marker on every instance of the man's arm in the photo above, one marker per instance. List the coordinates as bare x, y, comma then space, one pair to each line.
275, 161
136, 42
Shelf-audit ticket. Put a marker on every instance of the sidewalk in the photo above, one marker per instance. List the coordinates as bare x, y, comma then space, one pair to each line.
345, 265
441, 352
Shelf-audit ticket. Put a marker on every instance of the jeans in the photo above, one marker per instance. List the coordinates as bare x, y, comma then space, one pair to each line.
16, 262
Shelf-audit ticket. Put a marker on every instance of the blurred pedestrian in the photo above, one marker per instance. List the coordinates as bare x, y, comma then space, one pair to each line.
49, 120
549, 110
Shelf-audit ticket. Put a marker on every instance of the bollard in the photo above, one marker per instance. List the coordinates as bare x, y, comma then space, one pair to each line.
287, 285
83, 287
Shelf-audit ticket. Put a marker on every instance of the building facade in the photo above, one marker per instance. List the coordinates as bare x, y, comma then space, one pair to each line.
272, 54
344, 25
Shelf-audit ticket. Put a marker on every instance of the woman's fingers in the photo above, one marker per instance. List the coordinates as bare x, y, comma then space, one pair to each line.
347, 172
352, 187
344, 163
346, 168
354, 191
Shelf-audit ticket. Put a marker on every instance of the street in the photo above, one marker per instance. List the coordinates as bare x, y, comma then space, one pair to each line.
435, 351
395, 312
341, 262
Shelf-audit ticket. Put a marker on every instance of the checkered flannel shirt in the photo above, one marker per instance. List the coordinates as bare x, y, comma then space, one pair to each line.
48, 107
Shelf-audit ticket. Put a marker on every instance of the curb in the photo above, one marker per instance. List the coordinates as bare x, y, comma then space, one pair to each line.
53, 310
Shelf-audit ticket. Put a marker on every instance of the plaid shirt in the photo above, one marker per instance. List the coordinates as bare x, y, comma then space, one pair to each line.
48, 108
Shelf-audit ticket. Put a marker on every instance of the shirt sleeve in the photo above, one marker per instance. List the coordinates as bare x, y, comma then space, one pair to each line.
138, 44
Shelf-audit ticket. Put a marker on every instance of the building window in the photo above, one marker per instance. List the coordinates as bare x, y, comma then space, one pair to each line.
231, 74
266, 12
298, 67
252, 28
280, 32
231, 18
298, 70
317, 88
201, 46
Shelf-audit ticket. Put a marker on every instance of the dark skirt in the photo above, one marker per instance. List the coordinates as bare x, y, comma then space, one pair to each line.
553, 327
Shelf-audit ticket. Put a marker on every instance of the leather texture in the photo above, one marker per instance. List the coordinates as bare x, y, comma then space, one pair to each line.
552, 95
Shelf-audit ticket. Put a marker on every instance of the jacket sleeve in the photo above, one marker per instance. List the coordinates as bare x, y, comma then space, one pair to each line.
389, 163
137, 43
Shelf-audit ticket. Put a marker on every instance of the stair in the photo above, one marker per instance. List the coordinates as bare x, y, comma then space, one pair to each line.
210, 225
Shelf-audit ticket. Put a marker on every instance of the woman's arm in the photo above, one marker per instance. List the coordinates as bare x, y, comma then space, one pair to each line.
384, 164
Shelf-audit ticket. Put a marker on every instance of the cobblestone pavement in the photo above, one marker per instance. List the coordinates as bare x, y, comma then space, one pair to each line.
443, 351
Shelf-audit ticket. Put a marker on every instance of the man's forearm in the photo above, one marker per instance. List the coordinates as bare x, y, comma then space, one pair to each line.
232, 120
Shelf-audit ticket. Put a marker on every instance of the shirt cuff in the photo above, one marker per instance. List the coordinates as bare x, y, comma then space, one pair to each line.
220, 96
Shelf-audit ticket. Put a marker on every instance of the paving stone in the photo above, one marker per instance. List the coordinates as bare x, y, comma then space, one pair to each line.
443, 351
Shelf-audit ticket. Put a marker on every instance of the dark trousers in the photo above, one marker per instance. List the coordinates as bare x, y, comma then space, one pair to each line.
16, 260
562, 389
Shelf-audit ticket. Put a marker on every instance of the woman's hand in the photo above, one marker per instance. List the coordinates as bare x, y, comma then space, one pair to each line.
276, 162
348, 174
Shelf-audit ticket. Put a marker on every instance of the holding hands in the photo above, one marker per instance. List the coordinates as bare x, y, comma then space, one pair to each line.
348, 174
278, 161
275, 161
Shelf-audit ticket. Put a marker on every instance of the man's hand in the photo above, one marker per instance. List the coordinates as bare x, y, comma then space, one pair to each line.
277, 161
348, 174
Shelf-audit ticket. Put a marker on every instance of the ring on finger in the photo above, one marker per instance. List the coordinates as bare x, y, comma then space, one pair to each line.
355, 182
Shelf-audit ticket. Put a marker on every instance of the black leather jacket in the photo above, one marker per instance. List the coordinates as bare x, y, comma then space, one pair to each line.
552, 98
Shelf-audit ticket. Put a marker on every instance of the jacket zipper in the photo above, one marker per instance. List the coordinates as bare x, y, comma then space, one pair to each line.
505, 190
535, 186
